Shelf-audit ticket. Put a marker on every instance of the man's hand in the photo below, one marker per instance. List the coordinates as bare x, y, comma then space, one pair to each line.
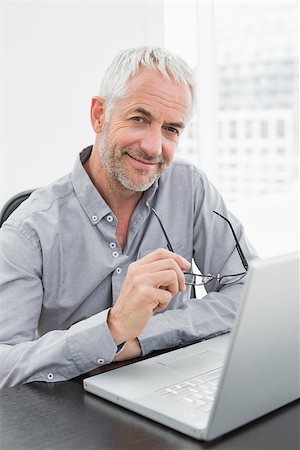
149, 286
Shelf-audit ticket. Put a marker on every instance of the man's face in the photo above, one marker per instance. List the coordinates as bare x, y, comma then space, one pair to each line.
142, 134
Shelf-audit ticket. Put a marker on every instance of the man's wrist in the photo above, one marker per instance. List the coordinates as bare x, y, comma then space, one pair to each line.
114, 329
131, 349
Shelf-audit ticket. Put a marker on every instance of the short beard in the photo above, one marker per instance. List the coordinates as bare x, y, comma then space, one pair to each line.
112, 162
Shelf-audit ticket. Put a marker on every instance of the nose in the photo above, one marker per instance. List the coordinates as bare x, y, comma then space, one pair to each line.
151, 141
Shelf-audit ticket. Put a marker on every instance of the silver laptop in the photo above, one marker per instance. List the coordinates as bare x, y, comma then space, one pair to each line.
209, 388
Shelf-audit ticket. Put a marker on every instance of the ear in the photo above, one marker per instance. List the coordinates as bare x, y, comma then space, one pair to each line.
97, 114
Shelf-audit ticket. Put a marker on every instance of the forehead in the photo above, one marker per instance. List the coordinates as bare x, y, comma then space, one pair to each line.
151, 90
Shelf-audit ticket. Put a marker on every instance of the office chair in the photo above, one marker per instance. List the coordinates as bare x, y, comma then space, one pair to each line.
12, 204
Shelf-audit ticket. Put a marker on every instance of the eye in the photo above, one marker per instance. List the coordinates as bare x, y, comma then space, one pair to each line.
138, 119
172, 130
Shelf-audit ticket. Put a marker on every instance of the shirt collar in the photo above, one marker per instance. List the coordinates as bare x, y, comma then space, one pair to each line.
90, 199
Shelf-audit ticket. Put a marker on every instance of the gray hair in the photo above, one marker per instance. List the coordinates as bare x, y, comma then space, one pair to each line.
127, 64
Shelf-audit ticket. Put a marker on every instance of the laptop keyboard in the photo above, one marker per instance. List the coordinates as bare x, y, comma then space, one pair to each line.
198, 392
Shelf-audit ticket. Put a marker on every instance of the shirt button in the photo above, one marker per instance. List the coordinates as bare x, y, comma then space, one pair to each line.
109, 218
115, 254
94, 218
50, 376
100, 361
118, 270
112, 245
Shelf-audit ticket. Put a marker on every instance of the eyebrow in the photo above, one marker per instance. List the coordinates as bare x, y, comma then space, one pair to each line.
148, 114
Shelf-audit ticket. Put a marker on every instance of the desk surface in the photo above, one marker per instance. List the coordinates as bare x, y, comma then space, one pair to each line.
64, 416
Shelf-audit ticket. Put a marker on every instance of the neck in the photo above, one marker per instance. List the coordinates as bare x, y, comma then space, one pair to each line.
122, 201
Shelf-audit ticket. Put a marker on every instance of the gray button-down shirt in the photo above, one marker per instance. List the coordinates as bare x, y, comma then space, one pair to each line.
62, 268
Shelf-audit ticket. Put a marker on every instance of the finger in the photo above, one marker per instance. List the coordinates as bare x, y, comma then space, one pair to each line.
162, 253
165, 279
166, 264
163, 298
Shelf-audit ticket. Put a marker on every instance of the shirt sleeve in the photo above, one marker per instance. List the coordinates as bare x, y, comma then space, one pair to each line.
194, 320
214, 252
57, 355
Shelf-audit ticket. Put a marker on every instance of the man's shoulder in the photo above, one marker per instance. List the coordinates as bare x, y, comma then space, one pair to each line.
183, 169
183, 178
42, 202
178, 161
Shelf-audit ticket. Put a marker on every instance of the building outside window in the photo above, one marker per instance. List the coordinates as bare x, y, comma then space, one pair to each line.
248, 86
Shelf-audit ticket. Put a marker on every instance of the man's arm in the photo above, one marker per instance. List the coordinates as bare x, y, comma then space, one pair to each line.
214, 252
57, 355
193, 320
149, 286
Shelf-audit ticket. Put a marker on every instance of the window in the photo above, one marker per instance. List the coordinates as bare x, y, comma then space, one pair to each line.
232, 129
263, 128
280, 128
248, 129
245, 55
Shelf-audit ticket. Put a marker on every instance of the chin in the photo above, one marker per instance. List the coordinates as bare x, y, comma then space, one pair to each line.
137, 185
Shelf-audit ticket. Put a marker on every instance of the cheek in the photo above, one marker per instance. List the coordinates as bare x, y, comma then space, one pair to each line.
169, 149
124, 136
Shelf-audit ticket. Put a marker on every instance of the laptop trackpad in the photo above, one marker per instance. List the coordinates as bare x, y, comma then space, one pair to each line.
202, 362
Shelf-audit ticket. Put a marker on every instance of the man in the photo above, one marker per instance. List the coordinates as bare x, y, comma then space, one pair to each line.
93, 267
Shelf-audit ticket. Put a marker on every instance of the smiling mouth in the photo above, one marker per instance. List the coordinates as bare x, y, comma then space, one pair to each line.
142, 164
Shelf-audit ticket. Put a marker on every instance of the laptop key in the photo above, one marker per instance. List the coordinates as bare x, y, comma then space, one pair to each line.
205, 408
198, 392
187, 400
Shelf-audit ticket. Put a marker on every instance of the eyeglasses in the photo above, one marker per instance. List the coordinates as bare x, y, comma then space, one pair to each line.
193, 279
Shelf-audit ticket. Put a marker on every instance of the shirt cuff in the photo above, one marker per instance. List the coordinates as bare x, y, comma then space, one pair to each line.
159, 334
91, 343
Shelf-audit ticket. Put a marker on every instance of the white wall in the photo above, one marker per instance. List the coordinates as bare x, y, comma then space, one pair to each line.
52, 57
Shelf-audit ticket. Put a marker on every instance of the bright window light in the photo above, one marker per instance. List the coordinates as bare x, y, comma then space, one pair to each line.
244, 134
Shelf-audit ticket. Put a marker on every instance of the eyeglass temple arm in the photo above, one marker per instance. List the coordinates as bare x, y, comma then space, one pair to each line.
238, 247
164, 231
